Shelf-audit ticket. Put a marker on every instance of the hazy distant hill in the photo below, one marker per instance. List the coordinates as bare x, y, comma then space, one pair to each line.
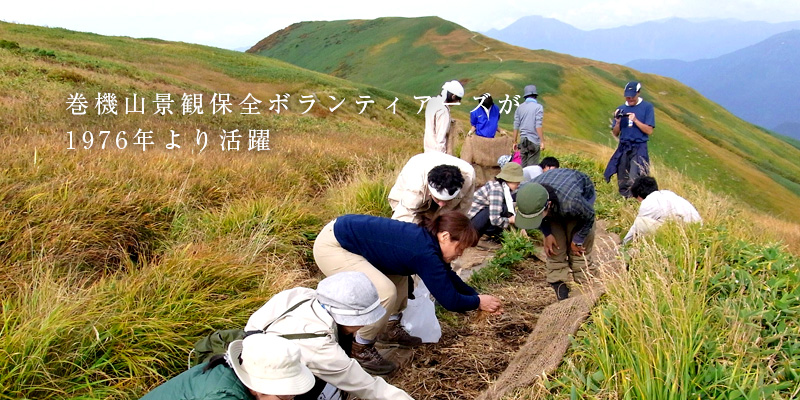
672, 38
759, 83
416, 55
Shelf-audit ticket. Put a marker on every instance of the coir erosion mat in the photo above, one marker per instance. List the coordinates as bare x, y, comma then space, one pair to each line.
476, 348
482, 356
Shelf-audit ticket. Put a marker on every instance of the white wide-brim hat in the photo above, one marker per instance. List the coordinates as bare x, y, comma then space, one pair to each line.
270, 364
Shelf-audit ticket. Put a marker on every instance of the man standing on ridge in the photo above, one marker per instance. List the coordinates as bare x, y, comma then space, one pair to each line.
528, 127
437, 118
633, 124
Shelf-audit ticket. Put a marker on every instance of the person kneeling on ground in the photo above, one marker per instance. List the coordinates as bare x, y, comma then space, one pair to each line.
561, 204
389, 251
492, 208
264, 367
323, 322
431, 183
533, 171
658, 206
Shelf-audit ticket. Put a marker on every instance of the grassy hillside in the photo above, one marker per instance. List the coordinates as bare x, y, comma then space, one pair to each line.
113, 262
415, 56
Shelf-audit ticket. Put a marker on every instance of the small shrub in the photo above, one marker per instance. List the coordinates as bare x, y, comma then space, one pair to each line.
9, 45
42, 52
63, 75
515, 249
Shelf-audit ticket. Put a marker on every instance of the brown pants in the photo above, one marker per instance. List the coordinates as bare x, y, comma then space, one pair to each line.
392, 289
563, 262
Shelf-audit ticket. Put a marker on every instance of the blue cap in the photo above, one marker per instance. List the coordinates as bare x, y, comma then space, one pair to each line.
632, 88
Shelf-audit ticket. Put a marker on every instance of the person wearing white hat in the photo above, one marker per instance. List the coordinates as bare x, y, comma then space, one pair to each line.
431, 183
437, 118
264, 367
323, 321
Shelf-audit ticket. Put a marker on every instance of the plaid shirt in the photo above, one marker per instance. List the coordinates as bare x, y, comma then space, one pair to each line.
490, 195
576, 195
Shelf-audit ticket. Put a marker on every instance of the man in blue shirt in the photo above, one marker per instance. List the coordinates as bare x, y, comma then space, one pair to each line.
633, 124
528, 124
485, 117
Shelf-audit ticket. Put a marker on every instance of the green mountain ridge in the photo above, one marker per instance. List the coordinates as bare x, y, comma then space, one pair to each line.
416, 55
114, 262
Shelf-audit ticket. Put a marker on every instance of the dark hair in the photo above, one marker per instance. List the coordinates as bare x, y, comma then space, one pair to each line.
487, 101
451, 98
643, 186
532, 95
549, 162
446, 177
553, 199
457, 224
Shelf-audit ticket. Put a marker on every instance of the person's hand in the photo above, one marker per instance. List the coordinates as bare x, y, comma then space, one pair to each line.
490, 304
632, 117
512, 219
541, 146
577, 249
550, 245
617, 114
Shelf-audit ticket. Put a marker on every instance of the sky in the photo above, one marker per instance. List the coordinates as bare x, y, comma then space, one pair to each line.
235, 24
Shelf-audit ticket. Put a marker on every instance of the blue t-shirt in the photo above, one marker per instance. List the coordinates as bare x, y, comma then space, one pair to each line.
644, 113
485, 126
402, 248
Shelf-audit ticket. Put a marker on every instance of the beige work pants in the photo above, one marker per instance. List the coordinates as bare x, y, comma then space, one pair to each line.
563, 262
392, 289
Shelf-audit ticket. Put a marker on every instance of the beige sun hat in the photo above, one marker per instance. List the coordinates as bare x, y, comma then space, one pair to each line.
270, 364
511, 172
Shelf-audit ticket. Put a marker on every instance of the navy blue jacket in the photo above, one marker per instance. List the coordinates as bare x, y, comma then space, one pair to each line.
403, 248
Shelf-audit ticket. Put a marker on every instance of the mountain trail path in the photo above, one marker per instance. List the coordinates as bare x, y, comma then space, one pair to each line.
482, 356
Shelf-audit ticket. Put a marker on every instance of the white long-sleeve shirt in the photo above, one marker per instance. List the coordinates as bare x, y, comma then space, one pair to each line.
322, 355
409, 197
437, 124
659, 207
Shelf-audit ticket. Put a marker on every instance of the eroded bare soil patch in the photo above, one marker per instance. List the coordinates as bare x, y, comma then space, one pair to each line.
476, 347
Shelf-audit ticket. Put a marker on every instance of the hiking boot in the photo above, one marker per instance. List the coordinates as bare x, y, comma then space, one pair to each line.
561, 289
371, 360
394, 333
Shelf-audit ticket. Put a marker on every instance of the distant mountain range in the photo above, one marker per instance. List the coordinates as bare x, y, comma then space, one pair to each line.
672, 38
759, 83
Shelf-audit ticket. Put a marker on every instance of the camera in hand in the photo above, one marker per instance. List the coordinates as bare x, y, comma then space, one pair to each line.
621, 113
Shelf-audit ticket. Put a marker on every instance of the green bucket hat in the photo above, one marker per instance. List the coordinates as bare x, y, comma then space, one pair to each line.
511, 172
531, 201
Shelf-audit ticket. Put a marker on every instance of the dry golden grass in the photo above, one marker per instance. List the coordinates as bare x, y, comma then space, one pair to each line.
113, 262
